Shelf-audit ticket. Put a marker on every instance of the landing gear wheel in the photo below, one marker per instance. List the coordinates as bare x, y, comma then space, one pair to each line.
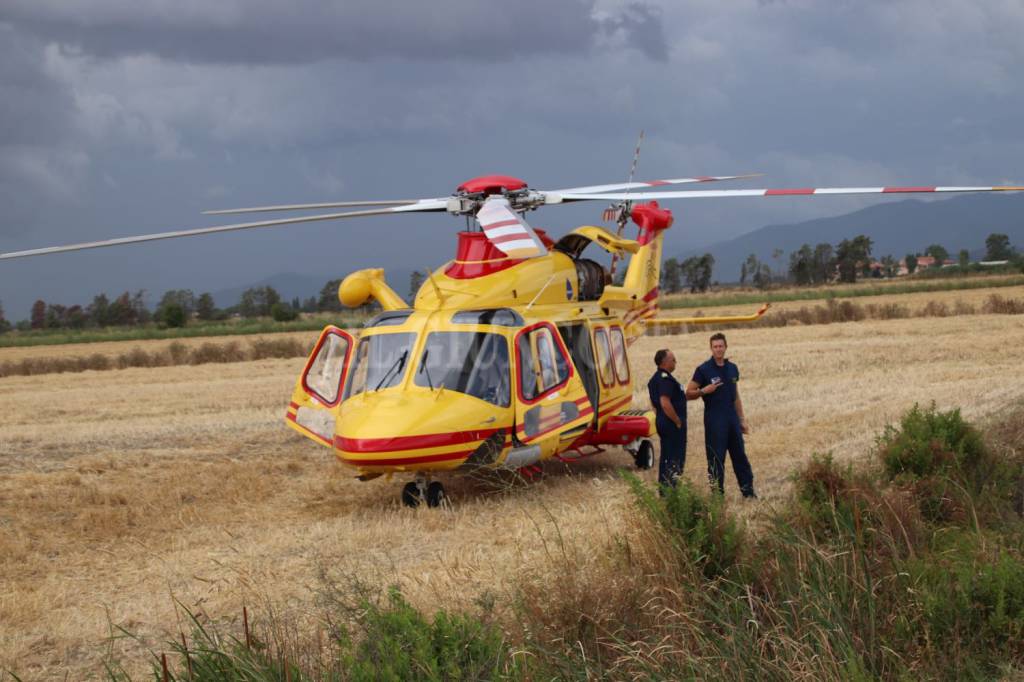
435, 495
644, 456
411, 494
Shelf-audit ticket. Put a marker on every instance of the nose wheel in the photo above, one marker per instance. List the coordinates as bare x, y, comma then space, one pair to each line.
416, 492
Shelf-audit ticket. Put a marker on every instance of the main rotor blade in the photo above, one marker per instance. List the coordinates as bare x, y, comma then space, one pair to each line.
507, 230
300, 207
726, 193
431, 205
651, 183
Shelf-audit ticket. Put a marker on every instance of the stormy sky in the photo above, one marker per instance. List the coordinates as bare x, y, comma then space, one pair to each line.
121, 117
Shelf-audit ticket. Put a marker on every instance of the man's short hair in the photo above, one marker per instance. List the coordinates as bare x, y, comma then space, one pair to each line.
718, 337
659, 357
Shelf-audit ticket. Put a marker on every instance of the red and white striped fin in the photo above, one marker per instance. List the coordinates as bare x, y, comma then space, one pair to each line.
650, 183
507, 230
724, 193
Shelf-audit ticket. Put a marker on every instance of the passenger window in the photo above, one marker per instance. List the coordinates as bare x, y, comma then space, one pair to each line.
542, 364
604, 357
619, 355
545, 359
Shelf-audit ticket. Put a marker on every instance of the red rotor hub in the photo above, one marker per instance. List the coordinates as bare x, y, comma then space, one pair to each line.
491, 184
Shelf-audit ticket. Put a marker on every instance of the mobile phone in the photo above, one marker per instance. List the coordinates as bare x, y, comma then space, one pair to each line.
716, 380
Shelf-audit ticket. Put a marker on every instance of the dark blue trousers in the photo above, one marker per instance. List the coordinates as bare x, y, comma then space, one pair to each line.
673, 451
722, 433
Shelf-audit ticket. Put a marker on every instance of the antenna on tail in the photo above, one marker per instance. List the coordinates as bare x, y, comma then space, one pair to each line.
620, 212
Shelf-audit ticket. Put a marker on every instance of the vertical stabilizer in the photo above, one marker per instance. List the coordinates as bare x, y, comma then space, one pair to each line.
644, 269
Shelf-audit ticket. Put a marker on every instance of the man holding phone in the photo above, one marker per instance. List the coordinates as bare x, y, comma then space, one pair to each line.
717, 383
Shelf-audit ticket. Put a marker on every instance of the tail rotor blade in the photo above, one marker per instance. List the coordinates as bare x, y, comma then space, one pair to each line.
507, 230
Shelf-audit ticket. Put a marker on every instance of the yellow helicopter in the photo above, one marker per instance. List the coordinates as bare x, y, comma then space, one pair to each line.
512, 353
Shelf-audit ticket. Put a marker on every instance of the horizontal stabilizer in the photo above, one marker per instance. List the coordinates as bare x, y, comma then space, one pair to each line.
720, 319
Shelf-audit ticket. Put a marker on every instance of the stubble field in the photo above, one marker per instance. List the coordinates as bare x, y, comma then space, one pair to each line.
122, 492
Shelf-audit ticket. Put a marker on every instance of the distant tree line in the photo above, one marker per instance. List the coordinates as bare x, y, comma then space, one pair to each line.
694, 274
852, 259
176, 308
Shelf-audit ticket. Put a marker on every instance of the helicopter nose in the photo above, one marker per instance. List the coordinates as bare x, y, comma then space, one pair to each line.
410, 431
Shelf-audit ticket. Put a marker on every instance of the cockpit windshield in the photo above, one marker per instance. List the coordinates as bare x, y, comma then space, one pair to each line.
380, 362
474, 363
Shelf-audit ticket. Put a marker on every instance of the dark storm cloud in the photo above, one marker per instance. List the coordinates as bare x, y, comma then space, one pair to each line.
38, 156
130, 116
34, 107
642, 29
266, 31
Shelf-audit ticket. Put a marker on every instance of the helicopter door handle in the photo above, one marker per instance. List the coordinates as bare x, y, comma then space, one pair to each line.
491, 420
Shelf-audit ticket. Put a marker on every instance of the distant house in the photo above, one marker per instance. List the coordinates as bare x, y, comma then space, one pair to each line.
923, 263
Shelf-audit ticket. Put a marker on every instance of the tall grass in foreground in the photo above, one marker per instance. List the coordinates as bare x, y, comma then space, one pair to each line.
909, 567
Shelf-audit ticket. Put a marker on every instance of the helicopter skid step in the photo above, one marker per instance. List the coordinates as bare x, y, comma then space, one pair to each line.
518, 458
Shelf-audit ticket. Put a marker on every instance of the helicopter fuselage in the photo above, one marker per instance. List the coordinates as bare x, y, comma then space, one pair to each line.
499, 363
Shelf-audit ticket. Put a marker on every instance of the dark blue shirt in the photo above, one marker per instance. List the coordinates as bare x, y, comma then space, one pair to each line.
664, 384
723, 400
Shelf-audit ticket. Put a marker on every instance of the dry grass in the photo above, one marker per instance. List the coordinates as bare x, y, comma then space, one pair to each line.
151, 346
122, 489
174, 353
973, 298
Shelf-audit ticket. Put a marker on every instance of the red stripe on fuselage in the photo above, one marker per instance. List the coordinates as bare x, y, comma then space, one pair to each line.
399, 461
616, 405
651, 295
521, 429
434, 440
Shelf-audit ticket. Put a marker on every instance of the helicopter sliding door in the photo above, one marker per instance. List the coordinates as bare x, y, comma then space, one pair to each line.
576, 336
551, 400
318, 391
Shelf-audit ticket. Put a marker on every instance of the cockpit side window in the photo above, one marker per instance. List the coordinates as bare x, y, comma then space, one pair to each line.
474, 363
380, 362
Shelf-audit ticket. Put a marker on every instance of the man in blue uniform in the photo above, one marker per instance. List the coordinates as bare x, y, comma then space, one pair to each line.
669, 402
717, 382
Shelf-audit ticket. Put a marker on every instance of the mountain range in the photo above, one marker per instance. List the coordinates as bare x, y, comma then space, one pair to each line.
896, 228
